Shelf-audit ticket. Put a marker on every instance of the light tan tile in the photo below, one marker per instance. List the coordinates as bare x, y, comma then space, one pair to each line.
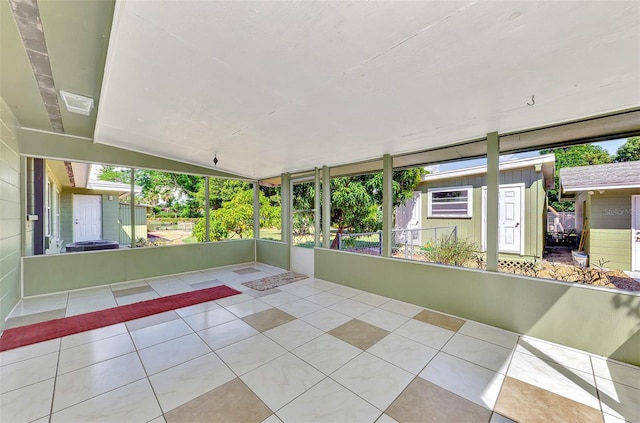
29, 319
119, 293
246, 271
268, 319
154, 319
206, 284
439, 319
359, 334
231, 402
524, 403
259, 294
422, 401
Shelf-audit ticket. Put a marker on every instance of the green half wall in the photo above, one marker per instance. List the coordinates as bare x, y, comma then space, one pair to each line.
600, 321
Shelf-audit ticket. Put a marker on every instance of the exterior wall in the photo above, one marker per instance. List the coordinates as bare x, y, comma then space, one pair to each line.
55, 241
110, 214
598, 320
10, 213
124, 227
534, 206
610, 229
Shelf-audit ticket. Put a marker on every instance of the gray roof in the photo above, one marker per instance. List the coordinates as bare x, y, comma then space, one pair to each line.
611, 176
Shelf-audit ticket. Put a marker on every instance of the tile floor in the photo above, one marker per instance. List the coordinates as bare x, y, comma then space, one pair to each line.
308, 351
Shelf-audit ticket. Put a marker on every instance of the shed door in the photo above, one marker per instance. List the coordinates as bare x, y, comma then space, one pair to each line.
635, 233
87, 218
510, 219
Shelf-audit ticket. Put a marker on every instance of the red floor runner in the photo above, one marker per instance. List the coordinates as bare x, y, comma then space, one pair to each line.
52, 329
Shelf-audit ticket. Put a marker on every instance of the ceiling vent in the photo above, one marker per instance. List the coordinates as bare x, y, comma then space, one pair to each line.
77, 103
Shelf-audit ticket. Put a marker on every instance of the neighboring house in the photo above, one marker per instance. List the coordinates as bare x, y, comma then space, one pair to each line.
76, 207
607, 199
457, 198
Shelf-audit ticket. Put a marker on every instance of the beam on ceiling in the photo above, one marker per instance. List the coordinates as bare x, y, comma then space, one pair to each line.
48, 145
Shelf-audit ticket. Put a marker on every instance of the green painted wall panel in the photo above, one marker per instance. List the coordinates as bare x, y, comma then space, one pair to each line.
273, 253
612, 246
47, 274
10, 212
600, 321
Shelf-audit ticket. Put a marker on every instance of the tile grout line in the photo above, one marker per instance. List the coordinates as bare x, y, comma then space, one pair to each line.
55, 380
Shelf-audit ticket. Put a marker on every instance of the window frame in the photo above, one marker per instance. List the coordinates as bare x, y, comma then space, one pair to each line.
469, 202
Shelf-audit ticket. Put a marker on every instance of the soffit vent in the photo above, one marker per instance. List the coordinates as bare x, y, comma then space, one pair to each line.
77, 103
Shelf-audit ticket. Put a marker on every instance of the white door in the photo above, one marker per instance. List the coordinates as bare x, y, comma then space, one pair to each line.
510, 218
87, 218
635, 233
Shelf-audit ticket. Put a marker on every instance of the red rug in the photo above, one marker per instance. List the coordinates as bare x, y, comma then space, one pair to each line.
52, 329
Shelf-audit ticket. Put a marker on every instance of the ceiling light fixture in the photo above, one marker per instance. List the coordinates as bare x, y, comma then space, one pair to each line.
215, 160
77, 103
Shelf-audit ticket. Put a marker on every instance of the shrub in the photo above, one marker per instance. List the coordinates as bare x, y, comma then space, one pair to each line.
449, 250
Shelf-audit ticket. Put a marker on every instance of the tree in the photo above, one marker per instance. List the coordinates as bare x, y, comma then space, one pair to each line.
578, 155
629, 151
175, 190
236, 217
356, 201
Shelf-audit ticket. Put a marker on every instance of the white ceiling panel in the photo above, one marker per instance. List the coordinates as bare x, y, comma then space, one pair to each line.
274, 87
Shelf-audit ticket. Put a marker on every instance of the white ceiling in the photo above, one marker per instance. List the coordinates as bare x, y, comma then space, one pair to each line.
274, 87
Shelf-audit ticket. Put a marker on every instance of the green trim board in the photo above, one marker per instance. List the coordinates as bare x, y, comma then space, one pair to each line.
273, 253
598, 320
62, 272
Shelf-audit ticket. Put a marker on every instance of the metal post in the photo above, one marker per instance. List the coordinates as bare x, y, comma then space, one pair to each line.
285, 203
380, 242
387, 203
493, 179
326, 207
339, 235
256, 210
133, 208
207, 211
316, 207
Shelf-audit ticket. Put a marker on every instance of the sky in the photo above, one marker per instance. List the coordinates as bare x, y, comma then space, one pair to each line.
610, 146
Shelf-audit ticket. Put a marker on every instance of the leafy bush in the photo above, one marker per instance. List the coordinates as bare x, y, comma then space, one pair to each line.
449, 250
216, 230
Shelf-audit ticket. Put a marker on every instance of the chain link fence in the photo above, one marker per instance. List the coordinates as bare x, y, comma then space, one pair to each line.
411, 244
365, 243
415, 244
303, 229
